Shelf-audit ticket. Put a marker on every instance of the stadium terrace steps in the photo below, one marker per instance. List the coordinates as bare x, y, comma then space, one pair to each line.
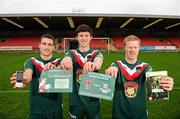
175, 41
152, 41
98, 44
145, 41
118, 41
22, 41
95, 44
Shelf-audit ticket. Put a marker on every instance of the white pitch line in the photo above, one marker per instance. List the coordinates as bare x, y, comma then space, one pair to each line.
14, 91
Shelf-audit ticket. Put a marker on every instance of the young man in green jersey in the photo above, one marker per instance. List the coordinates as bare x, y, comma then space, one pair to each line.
42, 105
83, 60
130, 94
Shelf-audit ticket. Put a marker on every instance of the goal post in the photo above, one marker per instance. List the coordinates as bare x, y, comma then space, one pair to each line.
102, 43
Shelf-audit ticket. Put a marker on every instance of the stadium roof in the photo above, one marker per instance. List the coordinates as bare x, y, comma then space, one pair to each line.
68, 23
109, 15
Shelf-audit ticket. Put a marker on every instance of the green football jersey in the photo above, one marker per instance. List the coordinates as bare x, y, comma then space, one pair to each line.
79, 59
41, 102
130, 93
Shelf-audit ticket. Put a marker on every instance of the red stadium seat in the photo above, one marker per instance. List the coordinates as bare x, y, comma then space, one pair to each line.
22, 41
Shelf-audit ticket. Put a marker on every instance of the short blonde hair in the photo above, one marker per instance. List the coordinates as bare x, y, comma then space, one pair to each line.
131, 38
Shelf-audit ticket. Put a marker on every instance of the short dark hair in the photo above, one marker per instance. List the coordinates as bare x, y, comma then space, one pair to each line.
84, 28
49, 36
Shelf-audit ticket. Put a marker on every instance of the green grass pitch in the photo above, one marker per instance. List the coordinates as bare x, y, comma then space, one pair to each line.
15, 105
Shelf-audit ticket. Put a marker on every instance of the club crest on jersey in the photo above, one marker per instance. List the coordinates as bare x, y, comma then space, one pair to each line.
139, 69
78, 75
130, 88
89, 58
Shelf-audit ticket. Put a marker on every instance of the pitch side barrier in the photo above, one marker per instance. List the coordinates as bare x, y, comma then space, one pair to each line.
158, 48
16, 48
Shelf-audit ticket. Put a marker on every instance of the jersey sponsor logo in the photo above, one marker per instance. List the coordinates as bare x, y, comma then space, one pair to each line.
40, 65
80, 59
130, 88
131, 74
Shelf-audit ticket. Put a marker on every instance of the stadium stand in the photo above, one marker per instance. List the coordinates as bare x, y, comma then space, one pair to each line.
22, 41
98, 44
118, 41
95, 43
151, 41
145, 41
175, 41
31, 42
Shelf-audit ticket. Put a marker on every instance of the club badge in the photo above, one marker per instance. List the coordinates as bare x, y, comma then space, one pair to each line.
138, 69
130, 88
